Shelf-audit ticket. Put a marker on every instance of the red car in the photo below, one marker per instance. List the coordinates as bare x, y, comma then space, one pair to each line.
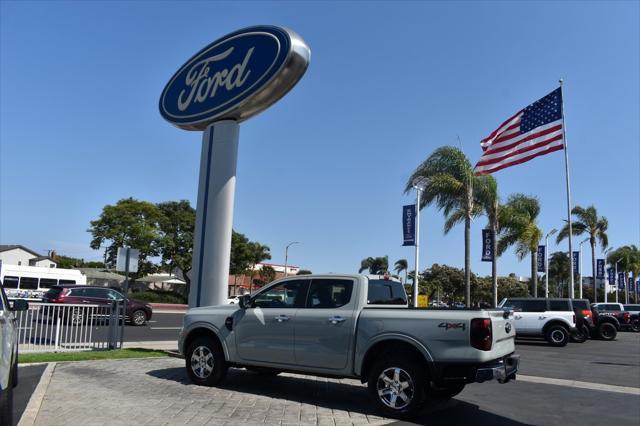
137, 313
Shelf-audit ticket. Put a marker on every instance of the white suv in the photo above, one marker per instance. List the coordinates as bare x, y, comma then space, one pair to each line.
8, 355
553, 319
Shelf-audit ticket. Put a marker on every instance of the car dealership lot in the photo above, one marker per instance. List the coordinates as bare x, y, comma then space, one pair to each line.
157, 391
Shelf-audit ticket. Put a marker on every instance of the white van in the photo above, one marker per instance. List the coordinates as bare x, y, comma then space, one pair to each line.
31, 282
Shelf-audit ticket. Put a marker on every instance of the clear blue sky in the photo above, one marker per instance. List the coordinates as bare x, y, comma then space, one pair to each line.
388, 83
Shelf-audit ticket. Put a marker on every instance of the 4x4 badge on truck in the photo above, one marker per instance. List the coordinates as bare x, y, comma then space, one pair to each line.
507, 327
452, 325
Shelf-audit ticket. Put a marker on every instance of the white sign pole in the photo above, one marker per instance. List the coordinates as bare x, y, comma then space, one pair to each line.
214, 214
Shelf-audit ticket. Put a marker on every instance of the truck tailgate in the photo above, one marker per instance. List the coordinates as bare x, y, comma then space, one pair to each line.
503, 330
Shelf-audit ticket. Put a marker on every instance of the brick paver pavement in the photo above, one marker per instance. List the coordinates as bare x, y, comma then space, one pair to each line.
158, 392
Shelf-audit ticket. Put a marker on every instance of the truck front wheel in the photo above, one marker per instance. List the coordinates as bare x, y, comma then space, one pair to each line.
397, 386
205, 362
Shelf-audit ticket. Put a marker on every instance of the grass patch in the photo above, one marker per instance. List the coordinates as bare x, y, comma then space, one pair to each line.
89, 355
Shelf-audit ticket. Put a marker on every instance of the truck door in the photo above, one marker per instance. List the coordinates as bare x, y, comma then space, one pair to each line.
325, 326
264, 331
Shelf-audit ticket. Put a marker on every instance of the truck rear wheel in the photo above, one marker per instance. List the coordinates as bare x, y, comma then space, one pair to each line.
205, 362
607, 331
397, 386
557, 335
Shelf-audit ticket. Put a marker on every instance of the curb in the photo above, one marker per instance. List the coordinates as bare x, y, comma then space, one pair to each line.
33, 406
172, 306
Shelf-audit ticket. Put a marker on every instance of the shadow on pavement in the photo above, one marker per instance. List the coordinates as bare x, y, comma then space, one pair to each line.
338, 396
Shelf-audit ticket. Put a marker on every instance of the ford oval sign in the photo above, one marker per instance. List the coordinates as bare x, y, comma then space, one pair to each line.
235, 77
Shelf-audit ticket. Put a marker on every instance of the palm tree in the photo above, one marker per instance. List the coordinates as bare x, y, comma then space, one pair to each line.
588, 222
518, 226
447, 179
628, 259
487, 195
401, 265
559, 269
375, 265
258, 253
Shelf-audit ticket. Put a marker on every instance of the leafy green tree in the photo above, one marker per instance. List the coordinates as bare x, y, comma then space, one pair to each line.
519, 227
131, 223
448, 180
175, 242
240, 257
375, 265
488, 198
588, 222
67, 262
93, 264
266, 275
257, 254
400, 266
304, 272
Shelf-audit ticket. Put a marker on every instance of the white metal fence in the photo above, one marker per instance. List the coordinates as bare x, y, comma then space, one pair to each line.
46, 327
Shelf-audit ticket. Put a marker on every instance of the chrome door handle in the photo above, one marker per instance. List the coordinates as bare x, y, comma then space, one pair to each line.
336, 320
282, 318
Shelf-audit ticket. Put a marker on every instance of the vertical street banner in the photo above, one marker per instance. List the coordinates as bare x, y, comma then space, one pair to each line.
409, 225
576, 262
632, 287
611, 275
600, 268
621, 280
541, 258
488, 251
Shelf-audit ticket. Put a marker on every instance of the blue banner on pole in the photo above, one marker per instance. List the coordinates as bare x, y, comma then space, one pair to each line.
409, 225
621, 281
600, 268
612, 276
487, 245
576, 262
632, 287
541, 258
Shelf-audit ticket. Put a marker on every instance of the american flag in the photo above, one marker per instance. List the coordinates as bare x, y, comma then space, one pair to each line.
534, 131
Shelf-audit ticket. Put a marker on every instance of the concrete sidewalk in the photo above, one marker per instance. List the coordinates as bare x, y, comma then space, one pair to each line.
156, 391
162, 345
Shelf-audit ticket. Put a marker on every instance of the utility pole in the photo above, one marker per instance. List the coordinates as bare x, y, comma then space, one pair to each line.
286, 255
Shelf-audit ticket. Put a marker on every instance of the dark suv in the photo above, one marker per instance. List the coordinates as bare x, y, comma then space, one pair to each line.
138, 312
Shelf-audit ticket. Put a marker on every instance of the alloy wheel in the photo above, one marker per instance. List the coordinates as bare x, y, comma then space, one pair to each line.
202, 362
139, 317
395, 388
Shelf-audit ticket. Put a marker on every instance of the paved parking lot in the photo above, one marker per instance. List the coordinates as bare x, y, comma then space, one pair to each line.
157, 391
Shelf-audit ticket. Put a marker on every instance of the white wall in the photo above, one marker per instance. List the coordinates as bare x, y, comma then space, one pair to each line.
45, 263
16, 256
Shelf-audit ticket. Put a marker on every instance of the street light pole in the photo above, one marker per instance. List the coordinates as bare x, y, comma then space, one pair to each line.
286, 255
580, 270
606, 279
546, 262
417, 185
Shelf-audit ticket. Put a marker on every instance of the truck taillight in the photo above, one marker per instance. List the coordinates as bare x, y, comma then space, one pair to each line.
586, 312
481, 334
626, 317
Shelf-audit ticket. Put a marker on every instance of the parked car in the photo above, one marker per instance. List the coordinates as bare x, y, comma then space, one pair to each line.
615, 310
552, 319
137, 313
8, 354
634, 311
356, 326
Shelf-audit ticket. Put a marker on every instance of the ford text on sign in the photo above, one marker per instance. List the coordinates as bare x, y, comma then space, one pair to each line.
235, 77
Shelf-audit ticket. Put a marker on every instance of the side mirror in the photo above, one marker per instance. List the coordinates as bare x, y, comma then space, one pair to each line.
19, 305
244, 301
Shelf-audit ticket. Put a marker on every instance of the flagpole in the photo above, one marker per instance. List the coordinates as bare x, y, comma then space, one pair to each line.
566, 168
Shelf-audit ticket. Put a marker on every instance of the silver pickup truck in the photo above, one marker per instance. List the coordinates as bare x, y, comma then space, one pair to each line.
356, 326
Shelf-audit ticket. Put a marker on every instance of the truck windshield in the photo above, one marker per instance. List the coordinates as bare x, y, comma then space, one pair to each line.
386, 292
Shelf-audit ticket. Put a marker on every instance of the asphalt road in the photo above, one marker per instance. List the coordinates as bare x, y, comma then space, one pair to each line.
28, 378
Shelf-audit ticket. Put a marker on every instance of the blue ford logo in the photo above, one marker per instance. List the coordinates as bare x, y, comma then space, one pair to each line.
235, 77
